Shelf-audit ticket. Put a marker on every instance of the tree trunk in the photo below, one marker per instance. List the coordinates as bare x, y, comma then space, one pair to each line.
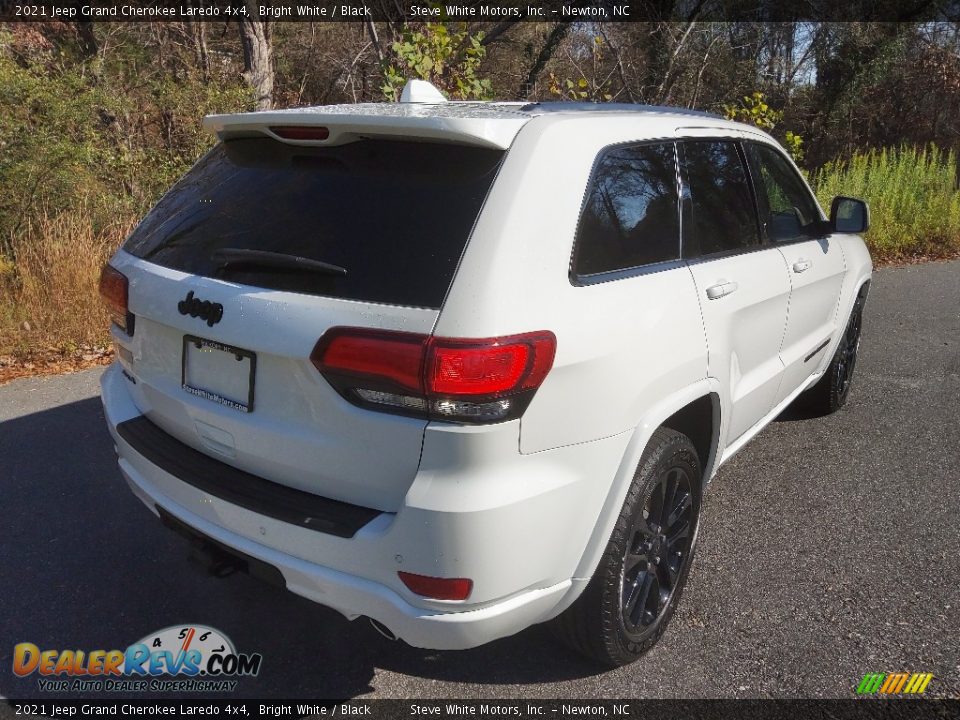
257, 55
88, 41
201, 54
556, 36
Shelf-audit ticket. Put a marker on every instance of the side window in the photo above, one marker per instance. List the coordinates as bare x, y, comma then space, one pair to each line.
787, 210
631, 216
720, 215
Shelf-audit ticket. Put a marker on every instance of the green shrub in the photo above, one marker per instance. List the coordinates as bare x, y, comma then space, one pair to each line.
913, 198
86, 146
445, 54
84, 134
754, 110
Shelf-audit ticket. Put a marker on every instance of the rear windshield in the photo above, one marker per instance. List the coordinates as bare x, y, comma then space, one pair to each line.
395, 215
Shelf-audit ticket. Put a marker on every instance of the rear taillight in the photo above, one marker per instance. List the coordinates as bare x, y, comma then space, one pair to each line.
437, 588
454, 379
114, 289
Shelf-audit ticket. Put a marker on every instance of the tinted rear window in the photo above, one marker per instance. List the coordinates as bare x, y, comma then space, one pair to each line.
396, 215
631, 217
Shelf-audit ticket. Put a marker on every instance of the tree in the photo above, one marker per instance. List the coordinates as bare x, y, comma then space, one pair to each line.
257, 55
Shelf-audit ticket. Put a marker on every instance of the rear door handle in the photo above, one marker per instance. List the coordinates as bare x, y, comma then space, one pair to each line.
801, 266
720, 289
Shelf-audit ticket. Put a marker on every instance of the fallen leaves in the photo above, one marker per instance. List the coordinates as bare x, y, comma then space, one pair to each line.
52, 361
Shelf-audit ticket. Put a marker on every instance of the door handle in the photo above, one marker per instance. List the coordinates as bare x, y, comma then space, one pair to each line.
720, 289
802, 266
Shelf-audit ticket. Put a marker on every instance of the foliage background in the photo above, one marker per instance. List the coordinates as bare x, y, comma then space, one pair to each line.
97, 120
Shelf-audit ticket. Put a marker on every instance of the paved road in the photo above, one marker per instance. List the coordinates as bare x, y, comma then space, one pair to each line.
829, 548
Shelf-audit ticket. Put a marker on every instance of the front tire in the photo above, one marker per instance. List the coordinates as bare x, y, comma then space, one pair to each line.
831, 391
626, 606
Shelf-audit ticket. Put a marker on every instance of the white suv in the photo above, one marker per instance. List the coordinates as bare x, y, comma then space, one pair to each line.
465, 367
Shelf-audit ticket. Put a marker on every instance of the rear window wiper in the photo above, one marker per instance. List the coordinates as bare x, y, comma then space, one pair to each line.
266, 260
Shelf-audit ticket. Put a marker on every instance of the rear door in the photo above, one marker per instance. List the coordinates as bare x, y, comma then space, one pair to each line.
225, 323
790, 220
742, 284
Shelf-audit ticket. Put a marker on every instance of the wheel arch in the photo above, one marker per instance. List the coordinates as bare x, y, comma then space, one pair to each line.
695, 409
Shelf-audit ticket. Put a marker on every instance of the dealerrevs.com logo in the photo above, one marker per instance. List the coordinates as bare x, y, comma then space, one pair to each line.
180, 658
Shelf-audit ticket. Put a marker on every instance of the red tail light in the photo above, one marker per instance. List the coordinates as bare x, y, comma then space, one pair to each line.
475, 381
114, 289
437, 588
394, 358
301, 133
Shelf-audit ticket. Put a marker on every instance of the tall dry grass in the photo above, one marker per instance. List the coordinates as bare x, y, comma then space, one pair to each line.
48, 291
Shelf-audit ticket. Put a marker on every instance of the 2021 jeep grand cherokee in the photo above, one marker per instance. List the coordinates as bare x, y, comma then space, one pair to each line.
465, 367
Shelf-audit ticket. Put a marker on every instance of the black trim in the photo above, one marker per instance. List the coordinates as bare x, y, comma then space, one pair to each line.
754, 193
242, 488
820, 347
611, 275
206, 545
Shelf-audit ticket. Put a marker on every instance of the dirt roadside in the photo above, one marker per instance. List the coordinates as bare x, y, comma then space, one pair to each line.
52, 362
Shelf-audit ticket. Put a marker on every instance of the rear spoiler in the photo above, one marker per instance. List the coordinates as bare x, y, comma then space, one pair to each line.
395, 121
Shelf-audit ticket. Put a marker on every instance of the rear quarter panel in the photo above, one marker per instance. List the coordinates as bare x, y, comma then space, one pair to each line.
623, 345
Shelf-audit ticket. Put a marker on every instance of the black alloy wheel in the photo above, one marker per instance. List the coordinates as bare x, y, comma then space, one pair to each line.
847, 355
658, 549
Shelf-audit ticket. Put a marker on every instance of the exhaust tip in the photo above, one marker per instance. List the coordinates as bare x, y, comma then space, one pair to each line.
383, 629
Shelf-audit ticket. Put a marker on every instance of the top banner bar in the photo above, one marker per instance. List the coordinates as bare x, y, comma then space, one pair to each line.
481, 10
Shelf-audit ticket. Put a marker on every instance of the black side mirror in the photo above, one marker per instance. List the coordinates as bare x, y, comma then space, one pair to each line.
849, 215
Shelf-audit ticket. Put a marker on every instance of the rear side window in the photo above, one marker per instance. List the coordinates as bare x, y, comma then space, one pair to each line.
395, 215
721, 216
631, 217
787, 210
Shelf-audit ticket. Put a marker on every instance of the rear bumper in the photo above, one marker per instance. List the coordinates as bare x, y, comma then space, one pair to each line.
518, 531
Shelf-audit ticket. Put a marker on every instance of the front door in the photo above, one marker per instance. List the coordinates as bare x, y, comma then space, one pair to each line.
742, 284
791, 221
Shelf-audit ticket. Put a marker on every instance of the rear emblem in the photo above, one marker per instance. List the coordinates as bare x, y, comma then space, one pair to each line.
204, 309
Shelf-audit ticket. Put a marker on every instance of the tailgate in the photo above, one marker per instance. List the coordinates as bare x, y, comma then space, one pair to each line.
259, 250
300, 432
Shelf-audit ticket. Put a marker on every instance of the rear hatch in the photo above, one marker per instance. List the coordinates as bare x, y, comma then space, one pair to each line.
225, 322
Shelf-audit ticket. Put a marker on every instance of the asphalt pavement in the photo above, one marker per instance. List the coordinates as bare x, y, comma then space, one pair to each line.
829, 547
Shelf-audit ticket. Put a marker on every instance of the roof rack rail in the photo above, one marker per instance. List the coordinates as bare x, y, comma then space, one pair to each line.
562, 106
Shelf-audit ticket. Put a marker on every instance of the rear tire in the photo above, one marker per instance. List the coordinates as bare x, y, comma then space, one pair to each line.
830, 393
634, 591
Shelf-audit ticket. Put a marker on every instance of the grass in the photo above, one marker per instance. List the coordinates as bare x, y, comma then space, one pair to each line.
913, 198
49, 300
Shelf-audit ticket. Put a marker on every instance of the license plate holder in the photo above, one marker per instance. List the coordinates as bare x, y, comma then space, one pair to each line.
218, 372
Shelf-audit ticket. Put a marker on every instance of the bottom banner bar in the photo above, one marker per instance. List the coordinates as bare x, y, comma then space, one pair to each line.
534, 709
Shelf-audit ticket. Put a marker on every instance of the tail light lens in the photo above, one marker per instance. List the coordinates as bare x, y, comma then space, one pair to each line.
437, 588
301, 133
454, 379
114, 289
